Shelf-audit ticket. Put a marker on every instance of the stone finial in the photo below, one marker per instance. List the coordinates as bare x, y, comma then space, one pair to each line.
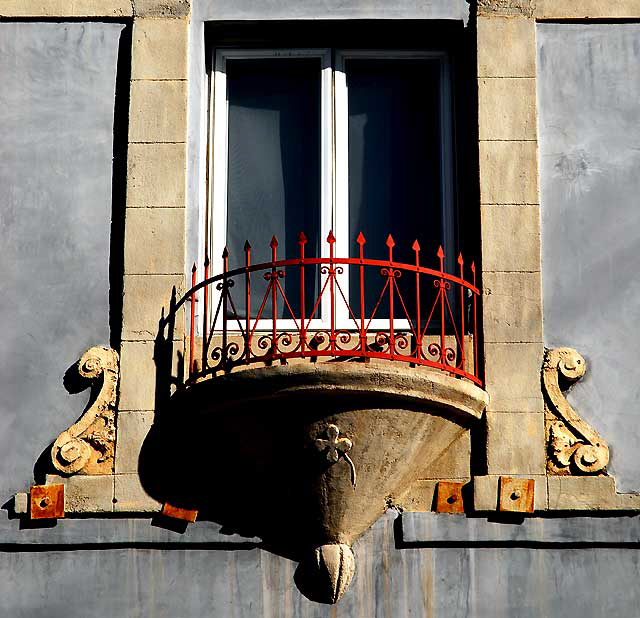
574, 447
325, 575
87, 447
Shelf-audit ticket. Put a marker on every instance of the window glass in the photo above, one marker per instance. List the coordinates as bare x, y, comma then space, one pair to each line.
273, 166
395, 159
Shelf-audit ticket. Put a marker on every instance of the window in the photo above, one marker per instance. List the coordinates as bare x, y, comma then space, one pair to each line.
316, 140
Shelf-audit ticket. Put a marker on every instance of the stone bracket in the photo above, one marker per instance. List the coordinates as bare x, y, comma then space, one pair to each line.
87, 447
573, 446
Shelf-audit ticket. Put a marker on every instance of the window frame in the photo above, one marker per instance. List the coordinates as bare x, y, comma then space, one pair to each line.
334, 173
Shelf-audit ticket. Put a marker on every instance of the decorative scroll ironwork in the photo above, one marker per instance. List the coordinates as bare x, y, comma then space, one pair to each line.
431, 322
574, 447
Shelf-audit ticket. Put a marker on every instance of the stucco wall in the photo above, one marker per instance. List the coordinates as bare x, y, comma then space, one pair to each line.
56, 146
589, 104
56, 114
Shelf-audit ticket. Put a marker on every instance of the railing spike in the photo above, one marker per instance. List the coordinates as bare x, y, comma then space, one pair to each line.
247, 245
331, 238
361, 240
460, 259
274, 242
473, 267
416, 245
194, 268
440, 253
302, 238
390, 242
225, 254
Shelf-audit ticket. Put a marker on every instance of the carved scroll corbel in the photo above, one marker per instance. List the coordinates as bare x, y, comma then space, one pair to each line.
87, 447
574, 447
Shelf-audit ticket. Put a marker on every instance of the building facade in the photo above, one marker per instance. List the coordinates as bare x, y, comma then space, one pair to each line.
368, 419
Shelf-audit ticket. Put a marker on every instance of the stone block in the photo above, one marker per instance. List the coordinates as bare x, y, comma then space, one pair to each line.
418, 498
508, 172
21, 503
506, 7
66, 8
512, 307
159, 49
154, 241
147, 298
507, 108
137, 376
588, 493
131, 497
86, 494
510, 238
454, 462
133, 428
162, 8
156, 175
486, 490
158, 111
518, 35
585, 9
515, 444
140, 362
512, 376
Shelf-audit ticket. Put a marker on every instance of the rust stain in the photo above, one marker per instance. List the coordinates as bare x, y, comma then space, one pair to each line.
177, 513
47, 501
449, 497
516, 495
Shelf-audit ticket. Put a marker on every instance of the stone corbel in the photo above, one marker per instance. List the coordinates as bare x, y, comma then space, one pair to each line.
573, 446
87, 447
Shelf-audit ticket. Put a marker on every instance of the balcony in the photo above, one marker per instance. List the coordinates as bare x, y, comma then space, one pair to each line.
327, 384
341, 308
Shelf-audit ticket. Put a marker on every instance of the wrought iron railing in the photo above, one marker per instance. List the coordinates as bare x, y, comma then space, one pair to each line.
328, 306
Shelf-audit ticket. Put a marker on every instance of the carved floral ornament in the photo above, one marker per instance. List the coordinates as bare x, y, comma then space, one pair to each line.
337, 447
574, 447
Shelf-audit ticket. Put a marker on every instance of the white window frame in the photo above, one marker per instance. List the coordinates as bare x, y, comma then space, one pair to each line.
334, 173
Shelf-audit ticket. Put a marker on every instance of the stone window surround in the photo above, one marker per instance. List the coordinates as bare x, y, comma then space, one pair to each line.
510, 224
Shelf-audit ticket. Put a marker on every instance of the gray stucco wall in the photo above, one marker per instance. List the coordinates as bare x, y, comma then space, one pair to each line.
422, 579
56, 114
56, 145
589, 106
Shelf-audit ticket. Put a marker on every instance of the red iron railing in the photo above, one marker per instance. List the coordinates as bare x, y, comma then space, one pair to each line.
429, 320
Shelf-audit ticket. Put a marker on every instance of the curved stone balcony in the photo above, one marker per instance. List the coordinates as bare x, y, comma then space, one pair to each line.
308, 456
301, 424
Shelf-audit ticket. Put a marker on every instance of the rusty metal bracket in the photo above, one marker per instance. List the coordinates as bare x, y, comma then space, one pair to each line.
46, 501
449, 497
168, 510
516, 495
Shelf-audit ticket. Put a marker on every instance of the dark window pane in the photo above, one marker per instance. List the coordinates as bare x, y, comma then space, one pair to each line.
395, 167
273, 168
